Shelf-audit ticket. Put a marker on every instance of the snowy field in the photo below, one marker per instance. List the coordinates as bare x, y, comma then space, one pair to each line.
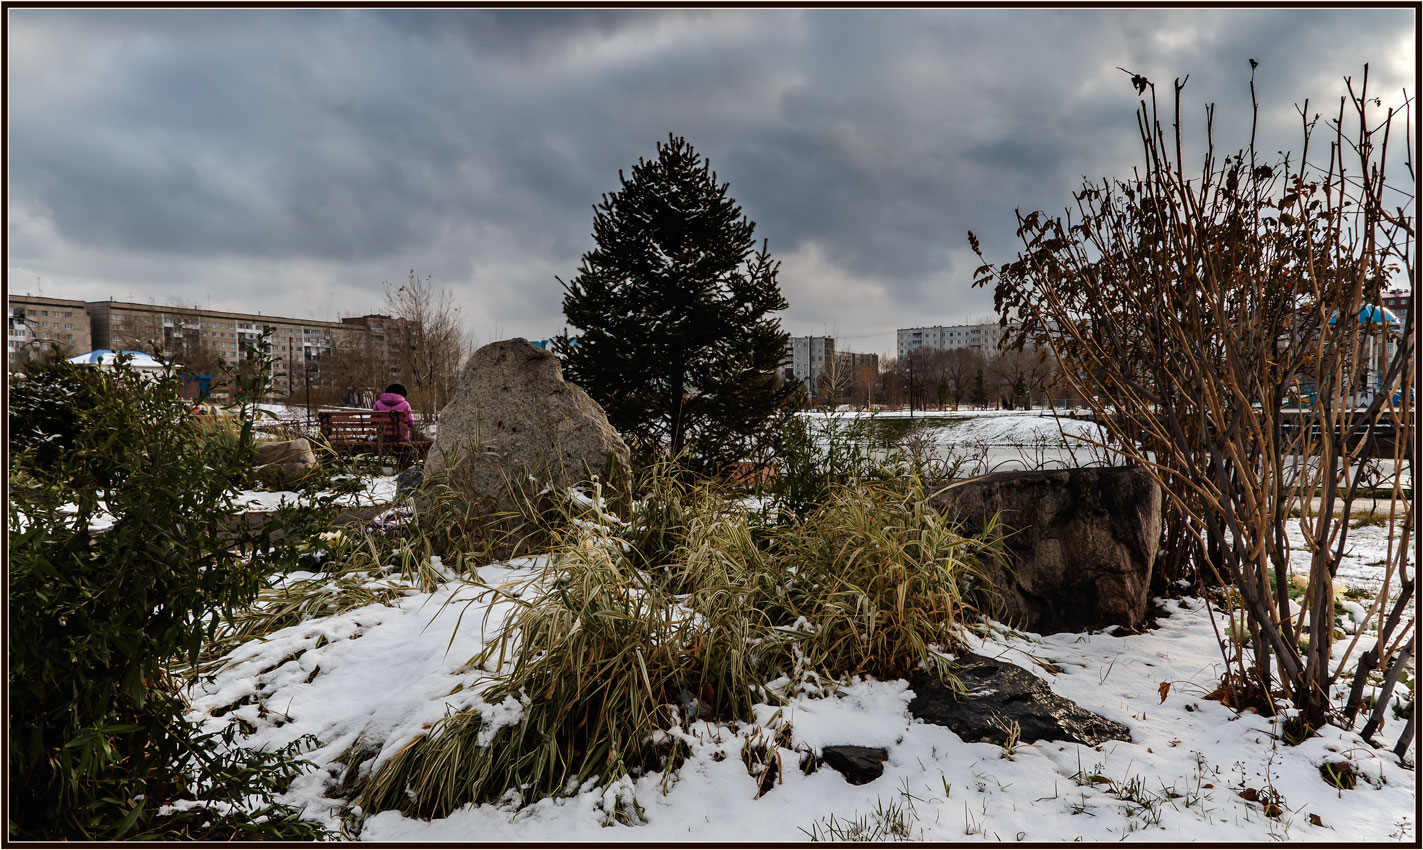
383, 673
995, 441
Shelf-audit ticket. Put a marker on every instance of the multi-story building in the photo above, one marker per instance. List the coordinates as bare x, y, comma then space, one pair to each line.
856, 360
35, 321
980, 337
1399, 303
196, 338
806, 358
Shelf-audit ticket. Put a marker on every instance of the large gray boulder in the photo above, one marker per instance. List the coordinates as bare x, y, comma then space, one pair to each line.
516, 425
1079, 548
997, 696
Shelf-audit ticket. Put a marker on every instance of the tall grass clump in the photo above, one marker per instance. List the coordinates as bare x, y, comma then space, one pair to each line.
686, 611
886, 581
599, 661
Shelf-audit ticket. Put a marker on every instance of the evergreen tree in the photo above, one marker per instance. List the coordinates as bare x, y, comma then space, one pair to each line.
980, 391
675, 338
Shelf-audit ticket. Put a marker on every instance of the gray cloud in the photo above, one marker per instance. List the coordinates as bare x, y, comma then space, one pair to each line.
291, 160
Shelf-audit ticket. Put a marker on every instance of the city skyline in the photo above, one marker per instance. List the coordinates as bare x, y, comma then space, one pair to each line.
296, 159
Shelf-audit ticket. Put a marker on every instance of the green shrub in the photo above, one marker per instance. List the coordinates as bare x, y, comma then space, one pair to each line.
98, 741
818, 455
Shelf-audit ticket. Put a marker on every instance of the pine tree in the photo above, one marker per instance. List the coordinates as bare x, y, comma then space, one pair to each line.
675, 338
980, 391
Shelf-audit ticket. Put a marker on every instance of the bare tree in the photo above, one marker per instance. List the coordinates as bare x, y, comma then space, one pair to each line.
1022, 374
433, 344
835, 380
1187, 311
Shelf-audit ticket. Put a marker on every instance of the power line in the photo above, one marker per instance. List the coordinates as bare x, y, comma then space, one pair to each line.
864, 336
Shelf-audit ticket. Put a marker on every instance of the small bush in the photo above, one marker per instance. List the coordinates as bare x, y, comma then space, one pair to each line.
126, 555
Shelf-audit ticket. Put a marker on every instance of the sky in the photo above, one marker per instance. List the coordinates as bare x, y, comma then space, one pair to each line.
294, 161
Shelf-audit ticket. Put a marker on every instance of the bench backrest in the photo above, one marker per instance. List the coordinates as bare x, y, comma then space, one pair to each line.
360, 425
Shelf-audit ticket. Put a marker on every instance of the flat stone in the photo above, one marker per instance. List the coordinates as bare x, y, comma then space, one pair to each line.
857, 764
999, 694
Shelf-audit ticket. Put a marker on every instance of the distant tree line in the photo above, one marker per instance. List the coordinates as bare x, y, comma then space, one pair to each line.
1010, 378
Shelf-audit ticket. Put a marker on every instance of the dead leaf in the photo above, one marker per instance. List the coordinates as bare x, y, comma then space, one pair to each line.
1164, 688
1315, 819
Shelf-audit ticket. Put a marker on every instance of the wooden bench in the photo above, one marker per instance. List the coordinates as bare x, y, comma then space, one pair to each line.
369, 432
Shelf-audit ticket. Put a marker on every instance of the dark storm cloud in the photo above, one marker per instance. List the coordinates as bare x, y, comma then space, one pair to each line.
293, 159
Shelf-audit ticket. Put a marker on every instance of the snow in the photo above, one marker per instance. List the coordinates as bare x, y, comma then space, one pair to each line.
377, 490
991, 440
381, 674
1024, 430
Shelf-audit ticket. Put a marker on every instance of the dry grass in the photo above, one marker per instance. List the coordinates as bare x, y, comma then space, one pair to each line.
687, 612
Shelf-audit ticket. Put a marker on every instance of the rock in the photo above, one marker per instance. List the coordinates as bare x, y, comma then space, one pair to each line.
1000, 694
1080, 544
857, 764
283, 463
409, 480
513, 416
285, 451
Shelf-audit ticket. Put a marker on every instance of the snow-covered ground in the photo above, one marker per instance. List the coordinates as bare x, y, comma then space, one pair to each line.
381, 673
989, 440
376, 490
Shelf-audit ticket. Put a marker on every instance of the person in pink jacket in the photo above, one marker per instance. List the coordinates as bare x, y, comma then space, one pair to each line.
394, 399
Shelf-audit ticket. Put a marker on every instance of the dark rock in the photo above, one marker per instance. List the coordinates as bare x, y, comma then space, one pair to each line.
409, 480
999, 694
1079, 548
857, 764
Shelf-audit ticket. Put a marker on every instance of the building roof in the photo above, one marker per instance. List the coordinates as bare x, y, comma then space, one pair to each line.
105, 357
1370, 314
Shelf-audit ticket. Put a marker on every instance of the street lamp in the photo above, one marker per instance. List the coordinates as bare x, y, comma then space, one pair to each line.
311, 370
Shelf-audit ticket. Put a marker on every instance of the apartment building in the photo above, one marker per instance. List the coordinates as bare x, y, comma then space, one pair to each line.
33, 322
806, 357
852, 362
1399, 304
980, 337
196, 338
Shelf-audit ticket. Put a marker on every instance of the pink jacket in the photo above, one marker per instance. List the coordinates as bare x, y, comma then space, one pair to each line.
394, 401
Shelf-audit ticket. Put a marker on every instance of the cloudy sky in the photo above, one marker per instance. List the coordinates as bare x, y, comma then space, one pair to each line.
290, 161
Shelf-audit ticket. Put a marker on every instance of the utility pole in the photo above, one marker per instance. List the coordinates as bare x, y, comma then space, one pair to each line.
911, 384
